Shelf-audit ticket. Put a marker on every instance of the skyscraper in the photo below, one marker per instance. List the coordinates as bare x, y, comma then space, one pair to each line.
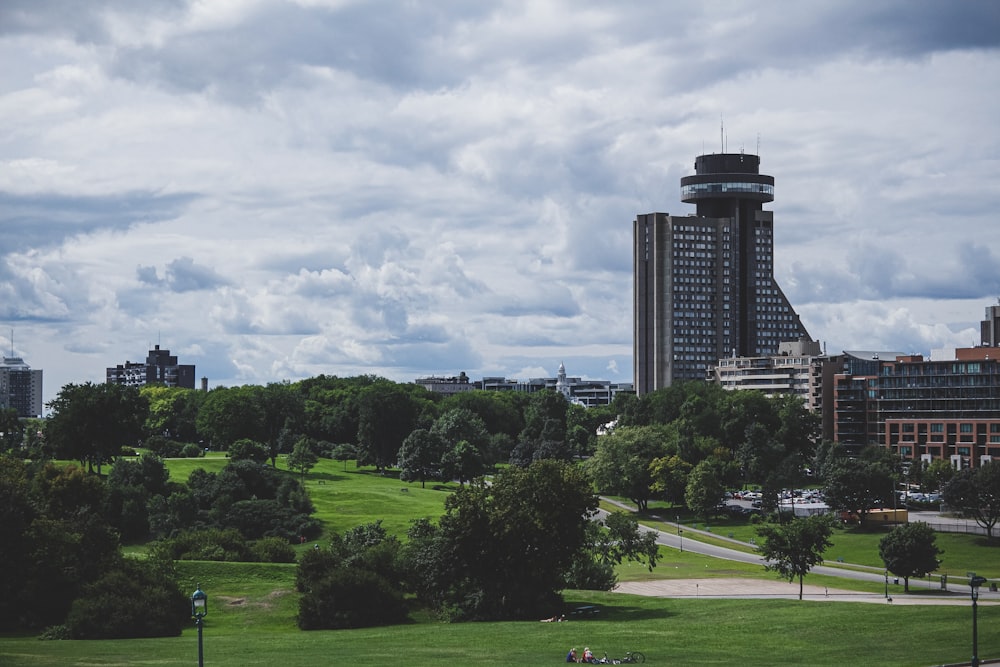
704, 285
20, 387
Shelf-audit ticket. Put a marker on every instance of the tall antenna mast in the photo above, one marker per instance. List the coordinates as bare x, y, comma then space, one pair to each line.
722, 134
758, 144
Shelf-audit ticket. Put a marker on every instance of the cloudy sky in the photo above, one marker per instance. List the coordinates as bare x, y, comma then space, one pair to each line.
274, 189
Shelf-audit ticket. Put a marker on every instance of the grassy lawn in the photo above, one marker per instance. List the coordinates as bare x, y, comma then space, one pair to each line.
252, 608
251, 612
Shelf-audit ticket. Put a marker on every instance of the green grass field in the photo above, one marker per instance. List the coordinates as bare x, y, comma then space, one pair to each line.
252, 609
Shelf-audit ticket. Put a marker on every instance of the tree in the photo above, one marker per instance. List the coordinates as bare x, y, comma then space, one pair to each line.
670, 475
227, 415
344, 452
387, 414
11, 430
463, 462
858, 485
704, 490
420, 456
246, 449
502, 550
91, 423
910, 550
303, 456
937, 475
976, 493
620, 465
792, 549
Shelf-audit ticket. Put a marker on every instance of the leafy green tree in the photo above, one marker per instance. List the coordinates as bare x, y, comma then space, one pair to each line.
859, 485
228, 414
976, 493
11, 430
282, 411
420, 456
502, 550
303, 457
388, 412
793, 548
246, 449
669, 477
620, 465
910, 550
344, 453
353, 584
937, 475
17, 513
704, 490
131, 484
173, 412
500, 411
92, 423
463, 462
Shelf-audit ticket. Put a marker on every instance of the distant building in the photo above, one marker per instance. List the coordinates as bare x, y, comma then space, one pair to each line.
795, 370
446, 385
922, 409
991, 327
20, 387
160, 367
576, 390
703, 284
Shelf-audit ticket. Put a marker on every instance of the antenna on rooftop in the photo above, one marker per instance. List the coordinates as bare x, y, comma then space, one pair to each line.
758, 144
722, 134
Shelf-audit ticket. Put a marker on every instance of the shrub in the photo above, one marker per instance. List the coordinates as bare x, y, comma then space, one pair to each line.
163, 447
207, 544
350, 598
248, 450
272, 550
136, 599
192, 451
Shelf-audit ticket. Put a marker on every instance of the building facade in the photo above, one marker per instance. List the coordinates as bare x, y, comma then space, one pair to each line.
990, 327
796, 370
160, 367
20, 387
922, 409
588, 393
703, 284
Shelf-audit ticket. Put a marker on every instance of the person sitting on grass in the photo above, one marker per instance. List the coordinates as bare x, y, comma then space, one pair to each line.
571, 656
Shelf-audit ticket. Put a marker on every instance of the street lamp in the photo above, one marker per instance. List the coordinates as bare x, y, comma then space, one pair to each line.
680, 533
199, 608
887, 584
975, 582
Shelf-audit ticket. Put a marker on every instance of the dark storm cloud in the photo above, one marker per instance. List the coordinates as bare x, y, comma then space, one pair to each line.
42, 220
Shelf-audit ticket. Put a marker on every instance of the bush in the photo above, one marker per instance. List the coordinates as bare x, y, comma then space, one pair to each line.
207, 544
163, 447
272, 550
350, 598
136, 599
192, 451
248, 450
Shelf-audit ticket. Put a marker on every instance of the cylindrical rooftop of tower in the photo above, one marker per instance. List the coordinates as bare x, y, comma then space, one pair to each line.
727, 176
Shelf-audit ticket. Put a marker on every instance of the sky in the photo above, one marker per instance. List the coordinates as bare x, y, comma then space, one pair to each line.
278, 189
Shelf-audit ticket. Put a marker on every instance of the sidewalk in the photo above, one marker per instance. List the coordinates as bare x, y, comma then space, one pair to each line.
717, 588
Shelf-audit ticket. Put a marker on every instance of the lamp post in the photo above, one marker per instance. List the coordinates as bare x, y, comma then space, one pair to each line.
199, 608
975, 582
680, 533
887, 584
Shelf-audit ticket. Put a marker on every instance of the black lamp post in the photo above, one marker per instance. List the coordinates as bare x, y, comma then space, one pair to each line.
680, 533
199, 608
975, 582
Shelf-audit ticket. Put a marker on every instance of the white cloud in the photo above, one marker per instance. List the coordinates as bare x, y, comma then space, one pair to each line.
279, 189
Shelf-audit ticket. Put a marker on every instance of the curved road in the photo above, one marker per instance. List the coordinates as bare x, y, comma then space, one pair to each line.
673, 540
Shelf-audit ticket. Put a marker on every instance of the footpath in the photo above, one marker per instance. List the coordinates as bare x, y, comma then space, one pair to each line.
922, 592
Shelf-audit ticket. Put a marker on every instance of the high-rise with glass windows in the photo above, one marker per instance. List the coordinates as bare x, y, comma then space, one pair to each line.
704, 285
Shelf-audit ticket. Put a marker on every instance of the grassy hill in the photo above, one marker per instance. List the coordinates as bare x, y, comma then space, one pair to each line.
252, 610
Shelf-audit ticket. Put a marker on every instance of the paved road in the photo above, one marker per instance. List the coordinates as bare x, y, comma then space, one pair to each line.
670, 538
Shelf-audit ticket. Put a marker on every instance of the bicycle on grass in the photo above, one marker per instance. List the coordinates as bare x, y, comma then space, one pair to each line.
630, 658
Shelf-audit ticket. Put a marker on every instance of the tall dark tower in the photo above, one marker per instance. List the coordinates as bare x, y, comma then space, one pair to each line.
704, 284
